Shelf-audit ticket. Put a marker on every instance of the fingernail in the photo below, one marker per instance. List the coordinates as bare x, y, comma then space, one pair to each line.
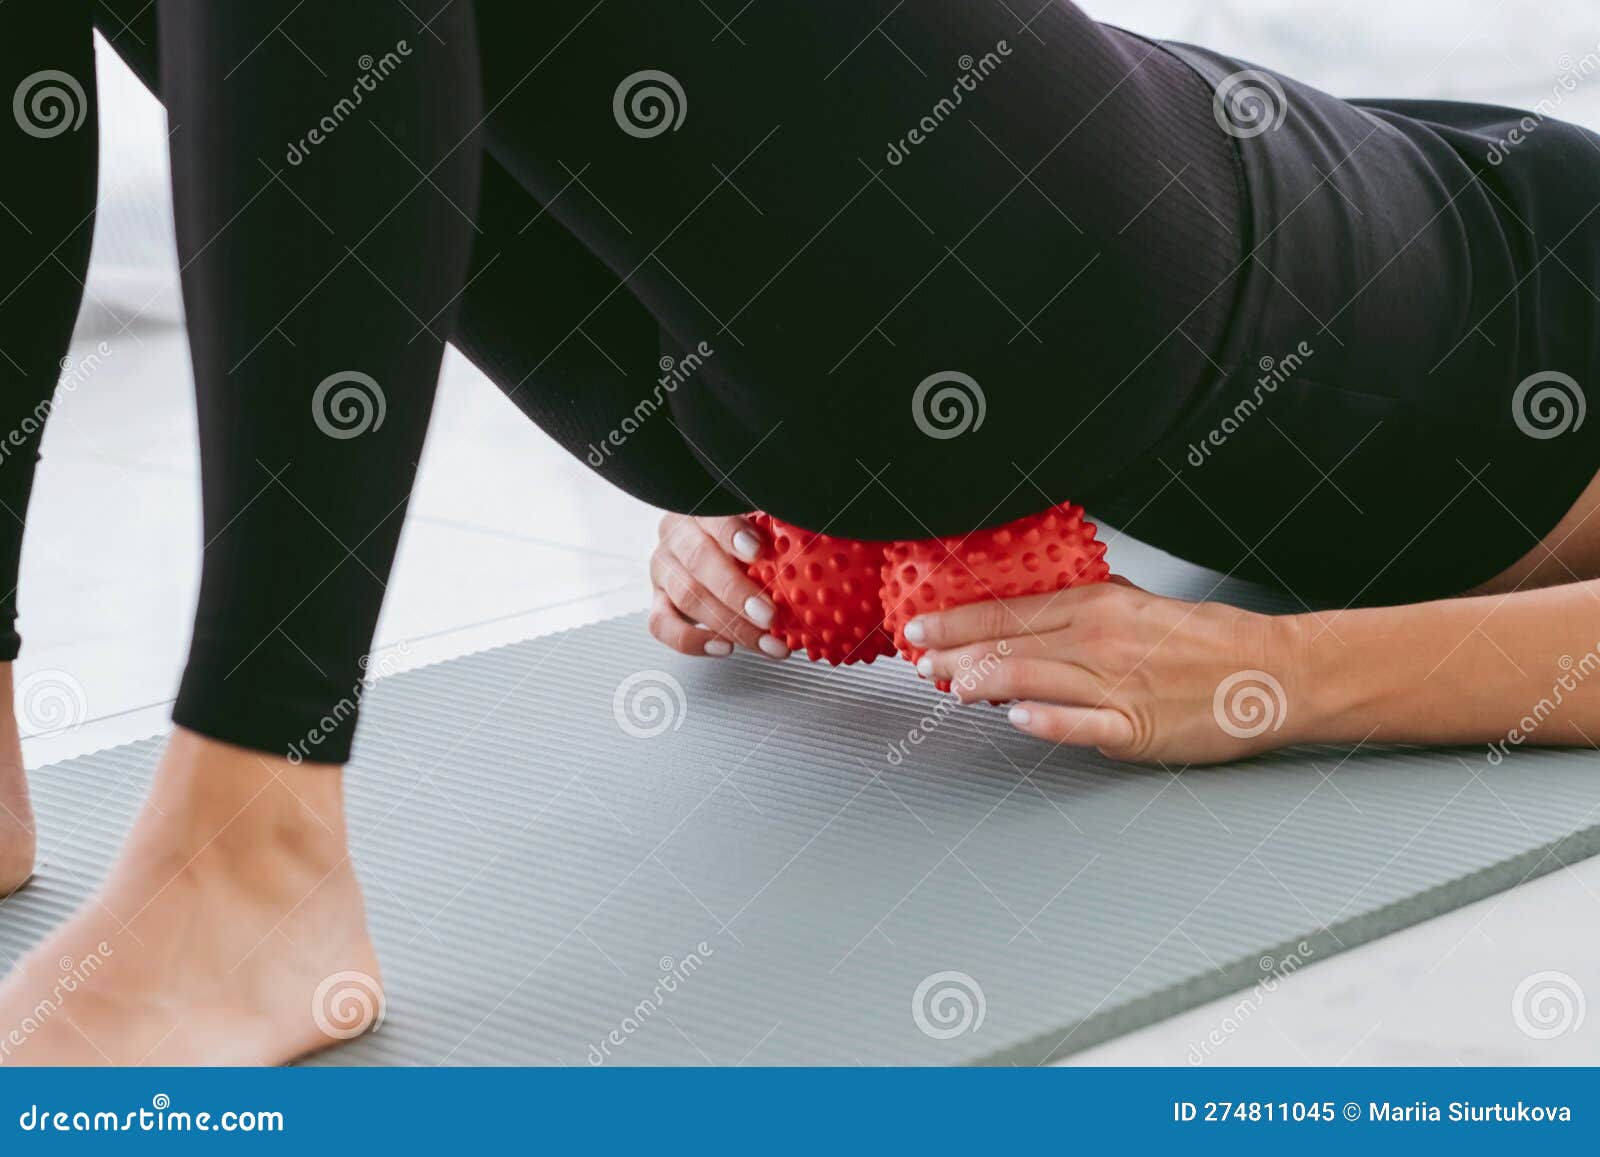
774, 647
1020, 716
747, 546
720, 648
758, 610
916, 632
925, 667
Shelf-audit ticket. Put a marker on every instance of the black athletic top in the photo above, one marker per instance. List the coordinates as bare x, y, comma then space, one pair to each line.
888, 268
1440, 260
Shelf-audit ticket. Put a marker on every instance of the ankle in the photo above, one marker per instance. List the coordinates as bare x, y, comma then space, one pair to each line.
18, 839
238, 808
10, 733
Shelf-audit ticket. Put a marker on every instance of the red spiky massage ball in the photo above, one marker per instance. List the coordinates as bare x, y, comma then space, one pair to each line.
826, 592
1034, 555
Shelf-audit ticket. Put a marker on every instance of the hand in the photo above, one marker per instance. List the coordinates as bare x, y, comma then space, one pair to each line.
1114, 667
703, 601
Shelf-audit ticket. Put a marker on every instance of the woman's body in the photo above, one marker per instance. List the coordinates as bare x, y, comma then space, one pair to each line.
1080, 235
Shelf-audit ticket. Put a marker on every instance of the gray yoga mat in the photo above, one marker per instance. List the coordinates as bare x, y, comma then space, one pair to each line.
583, 847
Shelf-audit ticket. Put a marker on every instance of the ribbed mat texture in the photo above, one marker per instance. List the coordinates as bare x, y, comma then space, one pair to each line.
584, 849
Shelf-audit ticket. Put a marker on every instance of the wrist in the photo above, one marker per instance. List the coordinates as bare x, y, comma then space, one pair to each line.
1331, 688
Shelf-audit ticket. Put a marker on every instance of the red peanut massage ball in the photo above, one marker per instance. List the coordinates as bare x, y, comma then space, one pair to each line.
1031, 556
848, 601
825, 590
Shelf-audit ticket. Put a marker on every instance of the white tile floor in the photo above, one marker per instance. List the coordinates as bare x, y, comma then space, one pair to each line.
509, 538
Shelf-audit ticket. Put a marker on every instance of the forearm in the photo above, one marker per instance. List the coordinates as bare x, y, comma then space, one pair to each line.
1517, 668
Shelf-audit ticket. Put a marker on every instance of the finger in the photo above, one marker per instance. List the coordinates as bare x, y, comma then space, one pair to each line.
694, 602
1032, 614
671, 628
945, 664
986, 675
709, 563
697, 603
738, 536
1101, 727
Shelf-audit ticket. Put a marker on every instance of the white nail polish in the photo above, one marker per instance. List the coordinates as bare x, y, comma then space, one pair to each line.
925, 667
916, 632
747, 546
719, 648
774, 647
1019, 716
758, 611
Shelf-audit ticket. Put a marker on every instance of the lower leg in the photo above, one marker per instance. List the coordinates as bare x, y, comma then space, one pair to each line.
47, 201
313, 287
18, 838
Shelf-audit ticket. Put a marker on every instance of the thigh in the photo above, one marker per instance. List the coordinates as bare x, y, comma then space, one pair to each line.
848, 199
600, 381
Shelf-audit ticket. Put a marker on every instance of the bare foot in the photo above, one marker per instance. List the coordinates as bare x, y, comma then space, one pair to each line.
17, 838
229, 931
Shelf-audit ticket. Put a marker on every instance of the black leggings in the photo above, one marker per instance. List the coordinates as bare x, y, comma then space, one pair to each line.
884, 269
